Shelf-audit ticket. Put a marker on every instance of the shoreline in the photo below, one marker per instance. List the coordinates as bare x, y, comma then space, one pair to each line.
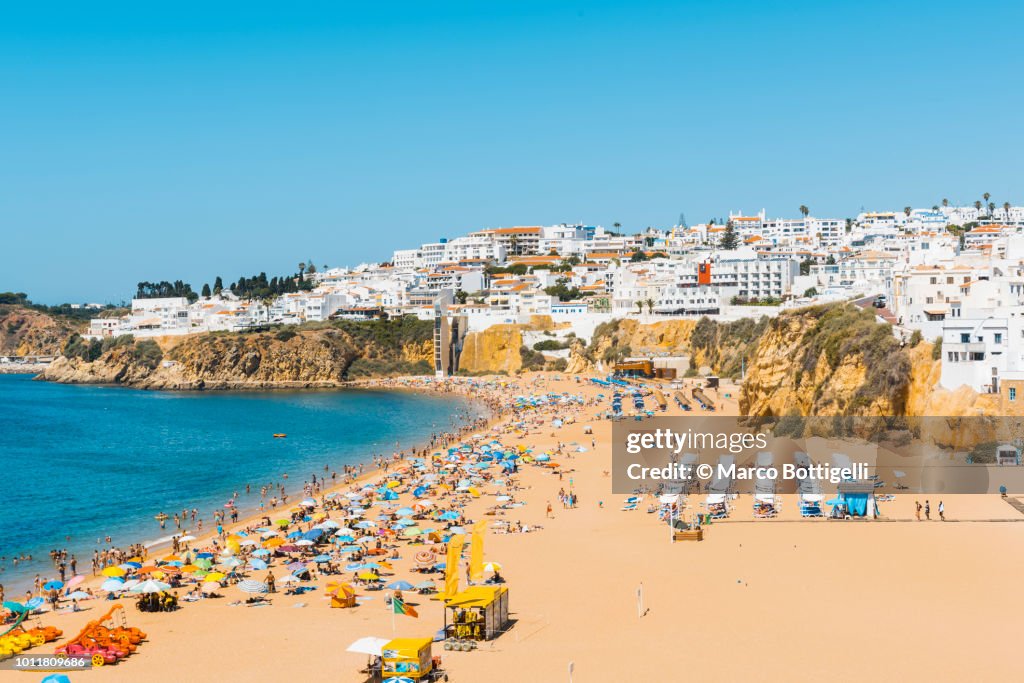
427, 386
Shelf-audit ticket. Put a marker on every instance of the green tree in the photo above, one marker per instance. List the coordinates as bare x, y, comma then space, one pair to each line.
730, 240
906, 211
945, 202
206, 290
311, 268
302, 268
650, 305
811, 292
639, 256
218, 285
461, 296
804, 211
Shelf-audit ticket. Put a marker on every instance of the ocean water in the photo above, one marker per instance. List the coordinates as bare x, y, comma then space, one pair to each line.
89, 461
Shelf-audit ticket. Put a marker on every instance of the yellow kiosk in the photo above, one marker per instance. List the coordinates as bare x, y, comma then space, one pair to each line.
477, 613
408, 658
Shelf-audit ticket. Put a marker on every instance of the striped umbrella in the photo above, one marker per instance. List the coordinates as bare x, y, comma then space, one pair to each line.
252, 586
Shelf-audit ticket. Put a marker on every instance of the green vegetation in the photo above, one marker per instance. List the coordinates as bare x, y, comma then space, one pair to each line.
146, 351
726, 346
915, 338
562, 290
730, 238
844, 330
755, 301
60, 311
937, 349
550, 345
532, 360
165, 289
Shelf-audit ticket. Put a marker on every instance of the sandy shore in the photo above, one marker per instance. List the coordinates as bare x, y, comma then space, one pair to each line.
894, 599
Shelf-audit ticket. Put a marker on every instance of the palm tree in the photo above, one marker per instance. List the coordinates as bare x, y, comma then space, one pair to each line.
514, 242
640, 307
650, 305
945, 202
616, 225
907, 210
804, 210
1006, 210
302, 268
991, 208
986, 196
977, 205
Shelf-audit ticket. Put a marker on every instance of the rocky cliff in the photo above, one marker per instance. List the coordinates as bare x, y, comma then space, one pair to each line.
496, 349
314, 356
27, 332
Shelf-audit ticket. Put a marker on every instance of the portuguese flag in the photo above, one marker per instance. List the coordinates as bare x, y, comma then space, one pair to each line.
398, 606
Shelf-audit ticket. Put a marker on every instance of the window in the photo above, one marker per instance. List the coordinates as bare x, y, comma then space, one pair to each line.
965, 338
999, 338
949, 280
1013, 393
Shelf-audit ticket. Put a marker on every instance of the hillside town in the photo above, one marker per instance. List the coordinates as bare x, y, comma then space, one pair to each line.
949, 273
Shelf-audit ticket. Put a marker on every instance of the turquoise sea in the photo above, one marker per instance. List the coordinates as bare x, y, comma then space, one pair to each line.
89, 461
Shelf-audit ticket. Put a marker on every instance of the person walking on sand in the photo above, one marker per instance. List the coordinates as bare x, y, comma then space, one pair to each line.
918, 504
928, 511
548, 515
942, 511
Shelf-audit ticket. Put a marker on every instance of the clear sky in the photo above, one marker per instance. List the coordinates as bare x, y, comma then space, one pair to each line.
151, 141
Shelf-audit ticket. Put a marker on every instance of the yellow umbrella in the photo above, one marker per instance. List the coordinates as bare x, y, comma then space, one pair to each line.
369, 576
492, 567
189, 568
393, 484
274, 542
134, 559
214, 576
171, 558
113, 571
474, 491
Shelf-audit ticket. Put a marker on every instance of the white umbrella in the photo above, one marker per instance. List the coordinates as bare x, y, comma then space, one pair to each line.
304, 541
288, 578
151, 586
252, 586
210, 587
231, 562
368, 646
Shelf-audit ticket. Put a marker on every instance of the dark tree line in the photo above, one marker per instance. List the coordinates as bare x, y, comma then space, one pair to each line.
164, 289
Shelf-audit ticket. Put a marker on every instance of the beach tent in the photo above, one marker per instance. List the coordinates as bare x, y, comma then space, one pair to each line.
858, 498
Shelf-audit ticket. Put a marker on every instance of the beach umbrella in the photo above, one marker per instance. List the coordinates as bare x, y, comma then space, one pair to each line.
204, 556
449, 515
112, 585
368, 576
79, 595
308, 503
289, 548
345, 538
283, 522
231, 562
257, 564
56, 678
113, 571
405, 512
322, 558
247, 541
399, 586
252, 586
210, 587
353, 567
402, 679
305, 542
262, 552
328, 524
130, 564
294, 566
288, 578
53, 585
274, 542
492, 567
171, 558
427, 585
151, 586
368, 646
14, 606
34, 603
203, 563
412, 531
215, 576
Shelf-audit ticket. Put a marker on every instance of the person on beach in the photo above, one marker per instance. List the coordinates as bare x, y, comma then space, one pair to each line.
928, 511
548, 514
918, 504
942, 511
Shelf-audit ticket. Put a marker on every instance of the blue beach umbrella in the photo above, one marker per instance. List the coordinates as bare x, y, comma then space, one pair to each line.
322, 558
257, 564
56, 678
400, 586
262, 552
34, 603
53, 585
14, 606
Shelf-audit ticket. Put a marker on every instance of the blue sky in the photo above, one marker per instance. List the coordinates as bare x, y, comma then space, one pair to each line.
147, 142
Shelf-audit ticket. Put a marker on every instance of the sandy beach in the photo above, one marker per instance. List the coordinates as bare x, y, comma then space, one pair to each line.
605, 590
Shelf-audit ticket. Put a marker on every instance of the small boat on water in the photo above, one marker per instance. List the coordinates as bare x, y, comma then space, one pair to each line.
280, 436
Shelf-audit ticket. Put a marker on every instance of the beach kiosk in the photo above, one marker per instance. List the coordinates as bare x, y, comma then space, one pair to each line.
477, 613
408, 658
1007, 454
